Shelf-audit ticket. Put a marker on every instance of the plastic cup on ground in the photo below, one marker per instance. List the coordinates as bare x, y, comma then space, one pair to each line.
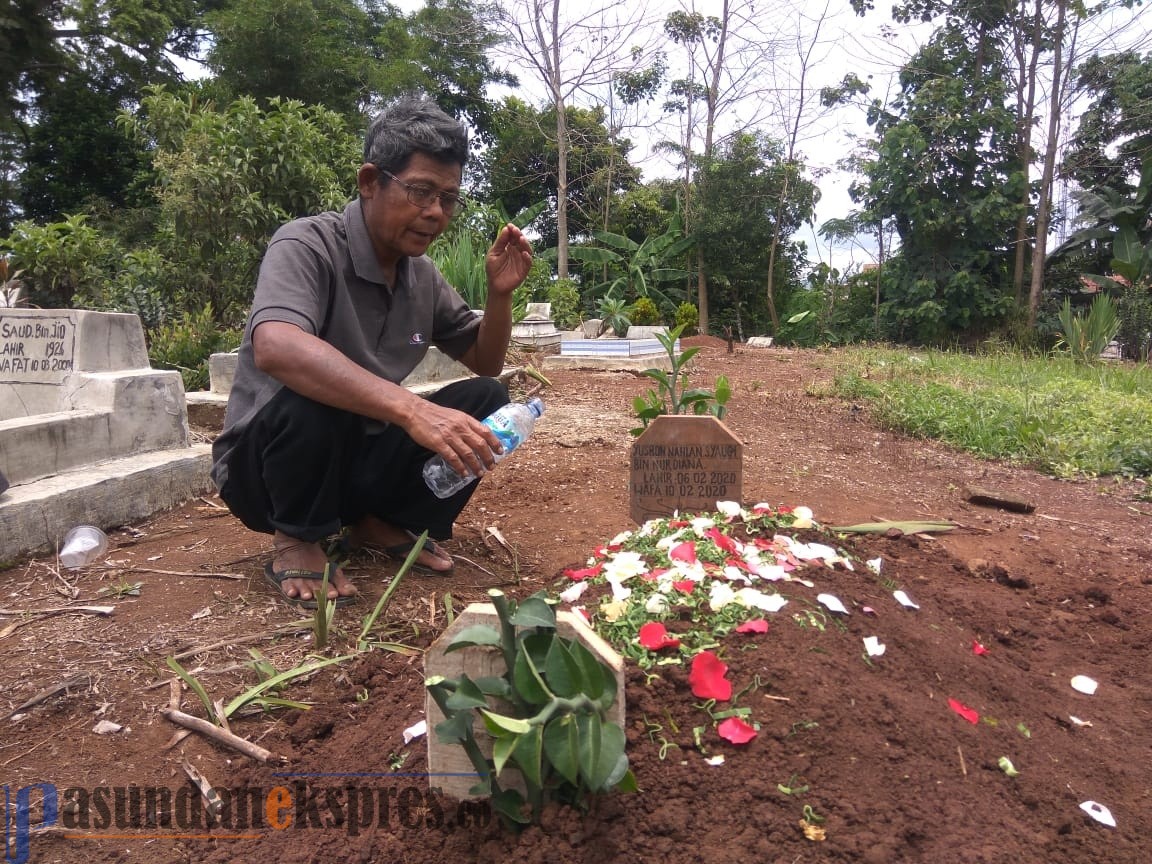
82, 545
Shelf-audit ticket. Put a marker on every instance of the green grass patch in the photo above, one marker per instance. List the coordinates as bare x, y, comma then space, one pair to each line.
1064, 418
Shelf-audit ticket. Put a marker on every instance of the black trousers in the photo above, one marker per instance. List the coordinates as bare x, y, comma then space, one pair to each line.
308, 469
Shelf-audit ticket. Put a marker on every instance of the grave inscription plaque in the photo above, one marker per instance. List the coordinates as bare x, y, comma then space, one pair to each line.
684, 463
36, 350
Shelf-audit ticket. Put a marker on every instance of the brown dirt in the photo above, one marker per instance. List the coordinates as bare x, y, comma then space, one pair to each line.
898, 776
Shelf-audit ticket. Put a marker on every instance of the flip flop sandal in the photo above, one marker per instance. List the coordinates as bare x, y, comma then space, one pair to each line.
275, 578
400, 551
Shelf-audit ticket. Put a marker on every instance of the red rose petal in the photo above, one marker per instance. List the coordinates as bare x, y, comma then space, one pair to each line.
684, 586
756, 625
584, 573
736, 730
654, 636
721, 539
685, 552
969, 714
707, 677
978, 649
738, 563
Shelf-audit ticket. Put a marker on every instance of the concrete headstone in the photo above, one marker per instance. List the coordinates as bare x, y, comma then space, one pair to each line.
760, 342
684, 463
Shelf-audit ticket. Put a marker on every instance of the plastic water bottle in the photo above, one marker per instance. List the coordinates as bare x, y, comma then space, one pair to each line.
512, 424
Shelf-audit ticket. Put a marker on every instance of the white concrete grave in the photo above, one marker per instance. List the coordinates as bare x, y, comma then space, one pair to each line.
448, 764
536, 329
89, 432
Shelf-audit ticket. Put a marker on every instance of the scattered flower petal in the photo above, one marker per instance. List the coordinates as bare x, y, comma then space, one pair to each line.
619, 591
969, 714
654, 636
731, 509
613, 609
803, 518
1099, 812
755, 625
874, 564
685, 552
707, 677
1084, 684
904, 600
619, 540
754, 599
867, 610
106, 727
684, 586
736, 731
714, 760
1078, 722
574, 592
625, 565
812, 551
874, 646
416, 730
656, 604
722, 540
584, 573
832, 603
978, 649
720, 595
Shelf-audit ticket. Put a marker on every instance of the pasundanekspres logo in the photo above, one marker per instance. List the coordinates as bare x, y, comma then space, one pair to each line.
239, 813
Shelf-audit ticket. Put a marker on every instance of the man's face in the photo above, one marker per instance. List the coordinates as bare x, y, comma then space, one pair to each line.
396, 225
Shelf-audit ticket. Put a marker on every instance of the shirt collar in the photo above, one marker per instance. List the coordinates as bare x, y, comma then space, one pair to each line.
360, 248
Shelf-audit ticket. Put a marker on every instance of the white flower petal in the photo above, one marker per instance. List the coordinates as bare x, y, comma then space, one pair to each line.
904, 600
656, 604
874, 646
832, 602
720, 595
572, 594
874, 564
729, 508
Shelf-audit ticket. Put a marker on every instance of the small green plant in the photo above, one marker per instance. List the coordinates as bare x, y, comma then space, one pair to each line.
554, 731
1086, 338
673, 395
613, 316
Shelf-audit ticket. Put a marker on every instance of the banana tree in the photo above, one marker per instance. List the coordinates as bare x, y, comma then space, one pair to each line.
638, 269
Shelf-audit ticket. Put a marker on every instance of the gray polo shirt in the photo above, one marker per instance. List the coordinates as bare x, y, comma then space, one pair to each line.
321, 274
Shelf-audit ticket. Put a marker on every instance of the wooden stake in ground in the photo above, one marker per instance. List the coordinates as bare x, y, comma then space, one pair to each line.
220, 736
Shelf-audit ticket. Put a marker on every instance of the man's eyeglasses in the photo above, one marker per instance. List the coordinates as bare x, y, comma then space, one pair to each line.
423, 196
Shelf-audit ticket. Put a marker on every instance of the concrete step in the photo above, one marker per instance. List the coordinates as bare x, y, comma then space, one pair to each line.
35, 516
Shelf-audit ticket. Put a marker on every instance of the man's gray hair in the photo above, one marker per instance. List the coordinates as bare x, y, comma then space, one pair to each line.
414, 124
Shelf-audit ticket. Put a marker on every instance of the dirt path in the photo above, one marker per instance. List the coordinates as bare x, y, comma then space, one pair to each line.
897, 775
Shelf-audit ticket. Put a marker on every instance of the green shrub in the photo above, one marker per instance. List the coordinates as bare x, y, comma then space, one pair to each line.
565, 299
1135, 309
186, 345
1086, 337
688, 317
644, 312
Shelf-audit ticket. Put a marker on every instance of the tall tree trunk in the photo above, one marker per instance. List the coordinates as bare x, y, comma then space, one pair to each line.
1024, 130
561, 150
1044, 206
709, 135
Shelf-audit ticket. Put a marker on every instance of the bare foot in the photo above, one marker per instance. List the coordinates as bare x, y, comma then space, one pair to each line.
371, 531
293, 554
